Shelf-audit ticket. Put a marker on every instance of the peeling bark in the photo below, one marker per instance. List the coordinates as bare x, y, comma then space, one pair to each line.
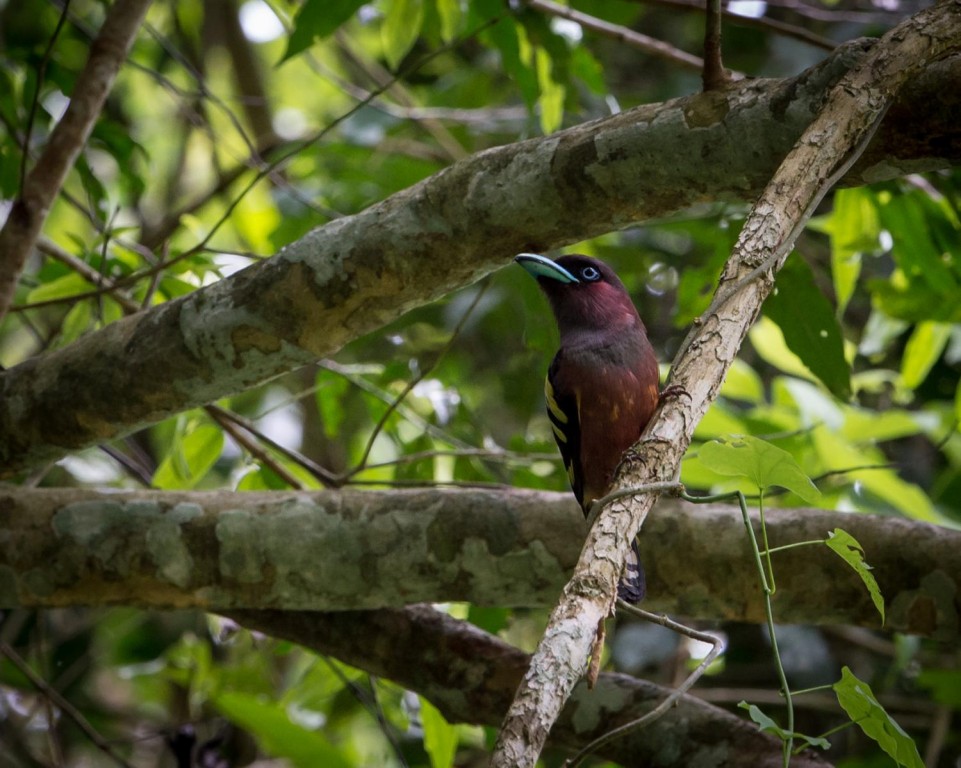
347, 550
360, 272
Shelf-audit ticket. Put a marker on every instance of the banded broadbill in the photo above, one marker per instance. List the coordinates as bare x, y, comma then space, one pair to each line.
602, 386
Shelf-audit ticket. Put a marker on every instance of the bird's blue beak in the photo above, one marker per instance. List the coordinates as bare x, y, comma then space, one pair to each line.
541, 266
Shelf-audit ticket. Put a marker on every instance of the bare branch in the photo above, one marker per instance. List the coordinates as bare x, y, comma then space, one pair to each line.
764, 22
620, 33
43, 182
713, 76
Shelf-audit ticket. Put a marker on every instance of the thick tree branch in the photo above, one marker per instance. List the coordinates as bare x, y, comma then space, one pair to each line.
342, 550
359, 272
841, 129
470, 676
43, 182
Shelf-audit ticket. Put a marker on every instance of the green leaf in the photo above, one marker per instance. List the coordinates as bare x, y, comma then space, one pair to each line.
810, 326
850, 551
923, 350
551, 101
400, 29
957, 402
768, 725
916, 302
764, 464
275, 732
911, 224
440, 737
768, 341
854, 229
863, 425
263, 479
187, 464
764, 722
944, 684
588, 70
506, 36
318, 19
857, 699
490, 619
742, 382
451, 18
69, 285
837, 453
77, 321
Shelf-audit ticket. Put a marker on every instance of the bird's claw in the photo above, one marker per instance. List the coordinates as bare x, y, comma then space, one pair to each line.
673, 392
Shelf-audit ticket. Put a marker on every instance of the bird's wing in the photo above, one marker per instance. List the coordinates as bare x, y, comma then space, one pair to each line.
563, 410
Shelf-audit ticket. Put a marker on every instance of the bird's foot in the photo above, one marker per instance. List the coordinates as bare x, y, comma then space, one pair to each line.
673, 392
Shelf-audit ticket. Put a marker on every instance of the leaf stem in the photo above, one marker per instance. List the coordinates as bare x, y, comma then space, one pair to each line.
767, 547
768, 608
795, 545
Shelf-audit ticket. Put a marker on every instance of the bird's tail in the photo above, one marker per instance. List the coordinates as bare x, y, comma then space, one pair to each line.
633, 585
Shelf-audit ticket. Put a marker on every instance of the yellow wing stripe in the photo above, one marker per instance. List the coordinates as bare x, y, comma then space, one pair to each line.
559, 433
552, 405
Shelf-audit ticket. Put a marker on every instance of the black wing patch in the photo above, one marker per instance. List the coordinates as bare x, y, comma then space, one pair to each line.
563, 412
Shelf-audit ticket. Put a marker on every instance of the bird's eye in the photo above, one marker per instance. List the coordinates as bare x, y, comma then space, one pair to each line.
590, 274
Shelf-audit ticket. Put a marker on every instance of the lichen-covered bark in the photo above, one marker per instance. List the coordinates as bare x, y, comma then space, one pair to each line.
342, 550
471, 675
357, 273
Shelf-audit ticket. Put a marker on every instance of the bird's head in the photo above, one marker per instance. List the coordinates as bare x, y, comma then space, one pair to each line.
584, 293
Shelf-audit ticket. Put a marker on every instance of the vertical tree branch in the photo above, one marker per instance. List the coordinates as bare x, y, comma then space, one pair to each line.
828, 146
713, 76
45, 179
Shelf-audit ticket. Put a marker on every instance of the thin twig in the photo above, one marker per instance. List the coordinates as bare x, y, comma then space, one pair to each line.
452, 148
764, 22
414, 418
424, 373
882, 13
484, 454
620, 33
369, 701
35, 101
713, 76
717, 645
324, 475
252, 447
61, 703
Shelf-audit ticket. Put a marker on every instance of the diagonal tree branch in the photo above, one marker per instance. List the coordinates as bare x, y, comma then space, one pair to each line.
622, 34
359, 272
43, 182
839, 133
470, 676
343, 550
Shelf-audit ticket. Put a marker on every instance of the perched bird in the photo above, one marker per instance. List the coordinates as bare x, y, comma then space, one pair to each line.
602, 386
